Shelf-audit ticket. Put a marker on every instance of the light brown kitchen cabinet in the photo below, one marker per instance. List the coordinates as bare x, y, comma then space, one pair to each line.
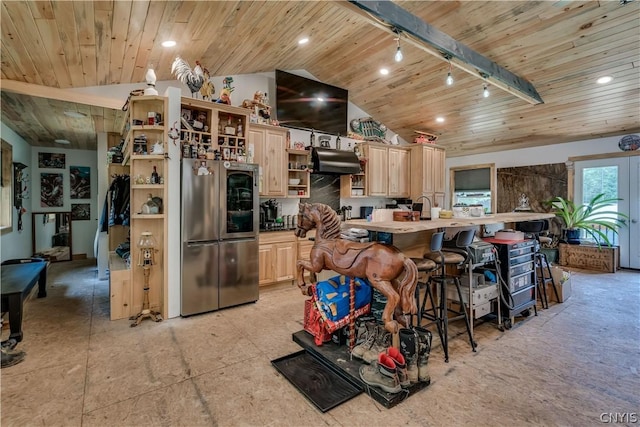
399, 172
285, 261
276, 257
387, 171
266, 267
269, 148
376, 170
428, 175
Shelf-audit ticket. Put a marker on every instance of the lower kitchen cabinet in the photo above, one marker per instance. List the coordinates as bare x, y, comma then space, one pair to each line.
276, 257
278, 253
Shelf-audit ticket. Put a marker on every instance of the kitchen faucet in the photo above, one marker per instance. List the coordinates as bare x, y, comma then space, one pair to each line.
429, 200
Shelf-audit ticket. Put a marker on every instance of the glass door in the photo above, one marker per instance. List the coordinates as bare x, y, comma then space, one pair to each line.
239, 200
617, 178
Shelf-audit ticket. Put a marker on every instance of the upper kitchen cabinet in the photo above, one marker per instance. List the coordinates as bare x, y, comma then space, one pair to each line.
269, 151
428, 171
387, 171
376, 169
399, 172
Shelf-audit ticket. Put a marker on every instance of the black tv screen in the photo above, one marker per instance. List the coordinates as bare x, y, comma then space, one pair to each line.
308, 104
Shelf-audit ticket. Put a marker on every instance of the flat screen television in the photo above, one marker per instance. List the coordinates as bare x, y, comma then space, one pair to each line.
308, 104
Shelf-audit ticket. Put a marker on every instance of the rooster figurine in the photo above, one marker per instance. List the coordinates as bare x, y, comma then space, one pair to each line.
183, 72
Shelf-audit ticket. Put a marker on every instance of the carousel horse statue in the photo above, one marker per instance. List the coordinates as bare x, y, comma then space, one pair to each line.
381, 265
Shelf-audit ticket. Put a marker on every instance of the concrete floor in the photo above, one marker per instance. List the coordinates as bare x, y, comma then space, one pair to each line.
567, 366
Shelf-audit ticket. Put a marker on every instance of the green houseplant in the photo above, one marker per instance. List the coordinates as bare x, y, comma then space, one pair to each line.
596, 218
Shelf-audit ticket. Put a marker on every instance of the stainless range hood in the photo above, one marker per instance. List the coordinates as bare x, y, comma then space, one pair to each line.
335, 162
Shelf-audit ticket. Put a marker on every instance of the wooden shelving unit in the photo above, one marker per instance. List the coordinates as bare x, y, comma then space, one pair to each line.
298, 168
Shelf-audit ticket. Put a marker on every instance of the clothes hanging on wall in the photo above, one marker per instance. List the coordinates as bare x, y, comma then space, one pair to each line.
116, 209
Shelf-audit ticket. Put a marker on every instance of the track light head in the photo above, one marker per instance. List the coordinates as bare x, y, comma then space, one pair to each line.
485, 91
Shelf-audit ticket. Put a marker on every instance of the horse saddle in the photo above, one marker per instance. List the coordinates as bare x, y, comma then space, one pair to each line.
346, 252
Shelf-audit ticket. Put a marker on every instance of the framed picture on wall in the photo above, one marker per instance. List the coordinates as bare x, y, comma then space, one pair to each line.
80, 182
51, 160
51, 190
80, 212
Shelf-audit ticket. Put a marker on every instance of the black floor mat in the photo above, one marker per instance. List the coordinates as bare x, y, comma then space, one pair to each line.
321, 385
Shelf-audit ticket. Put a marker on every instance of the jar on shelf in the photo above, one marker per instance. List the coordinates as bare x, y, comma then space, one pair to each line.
150, 207
211, 154
202, 152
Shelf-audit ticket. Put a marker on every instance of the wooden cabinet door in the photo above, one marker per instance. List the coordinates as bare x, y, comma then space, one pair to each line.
399, 172
269, 152
438, 165
275, 163
257, 138
377, 170
266, 270
285, 261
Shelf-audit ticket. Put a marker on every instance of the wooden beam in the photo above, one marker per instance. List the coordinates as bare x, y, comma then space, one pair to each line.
59, 94
393, 19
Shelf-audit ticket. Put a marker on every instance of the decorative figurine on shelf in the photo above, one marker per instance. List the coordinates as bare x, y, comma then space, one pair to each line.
226, 83
259, 105
194, 79
523, 205
150, 78
157, 148
207, 90
146, 260
225, 97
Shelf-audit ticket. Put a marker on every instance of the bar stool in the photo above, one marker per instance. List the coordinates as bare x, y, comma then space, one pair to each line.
541, 263
457, 255
429, 266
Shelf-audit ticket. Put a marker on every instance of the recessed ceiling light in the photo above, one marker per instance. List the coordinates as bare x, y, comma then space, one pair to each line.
303, 40
384, 71
168, 43
75, 114
62, 141
440, 119
604, 79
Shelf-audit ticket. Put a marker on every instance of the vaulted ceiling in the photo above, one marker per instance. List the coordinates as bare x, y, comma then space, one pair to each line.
560, 47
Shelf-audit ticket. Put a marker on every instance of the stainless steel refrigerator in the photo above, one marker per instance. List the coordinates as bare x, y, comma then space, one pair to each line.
220, 221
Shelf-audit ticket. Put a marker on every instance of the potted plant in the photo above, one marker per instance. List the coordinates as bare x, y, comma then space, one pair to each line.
595, 218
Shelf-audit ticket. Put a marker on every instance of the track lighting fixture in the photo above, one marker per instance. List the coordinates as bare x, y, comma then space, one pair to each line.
398, 56
485, 91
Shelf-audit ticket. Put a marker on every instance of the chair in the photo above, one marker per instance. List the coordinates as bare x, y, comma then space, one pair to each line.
429, 266
454, 253
541, 263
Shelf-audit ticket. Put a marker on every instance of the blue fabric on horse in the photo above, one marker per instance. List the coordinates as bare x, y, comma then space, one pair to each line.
333, 296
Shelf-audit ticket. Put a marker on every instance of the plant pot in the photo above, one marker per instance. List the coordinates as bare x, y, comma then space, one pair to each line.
551, 253
572, 236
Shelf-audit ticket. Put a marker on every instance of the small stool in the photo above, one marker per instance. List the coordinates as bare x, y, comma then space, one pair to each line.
541, 263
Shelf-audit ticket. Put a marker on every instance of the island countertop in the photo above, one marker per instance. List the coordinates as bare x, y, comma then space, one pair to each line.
413, 226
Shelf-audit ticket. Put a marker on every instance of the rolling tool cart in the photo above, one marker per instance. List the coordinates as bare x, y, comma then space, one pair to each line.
517, 269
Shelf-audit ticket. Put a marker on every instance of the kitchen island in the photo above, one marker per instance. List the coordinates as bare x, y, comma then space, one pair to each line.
401, 227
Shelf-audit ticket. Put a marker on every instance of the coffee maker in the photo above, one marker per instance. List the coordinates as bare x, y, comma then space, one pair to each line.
268, 214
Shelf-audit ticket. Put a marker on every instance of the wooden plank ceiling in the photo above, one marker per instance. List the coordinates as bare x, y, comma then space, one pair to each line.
561, 47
